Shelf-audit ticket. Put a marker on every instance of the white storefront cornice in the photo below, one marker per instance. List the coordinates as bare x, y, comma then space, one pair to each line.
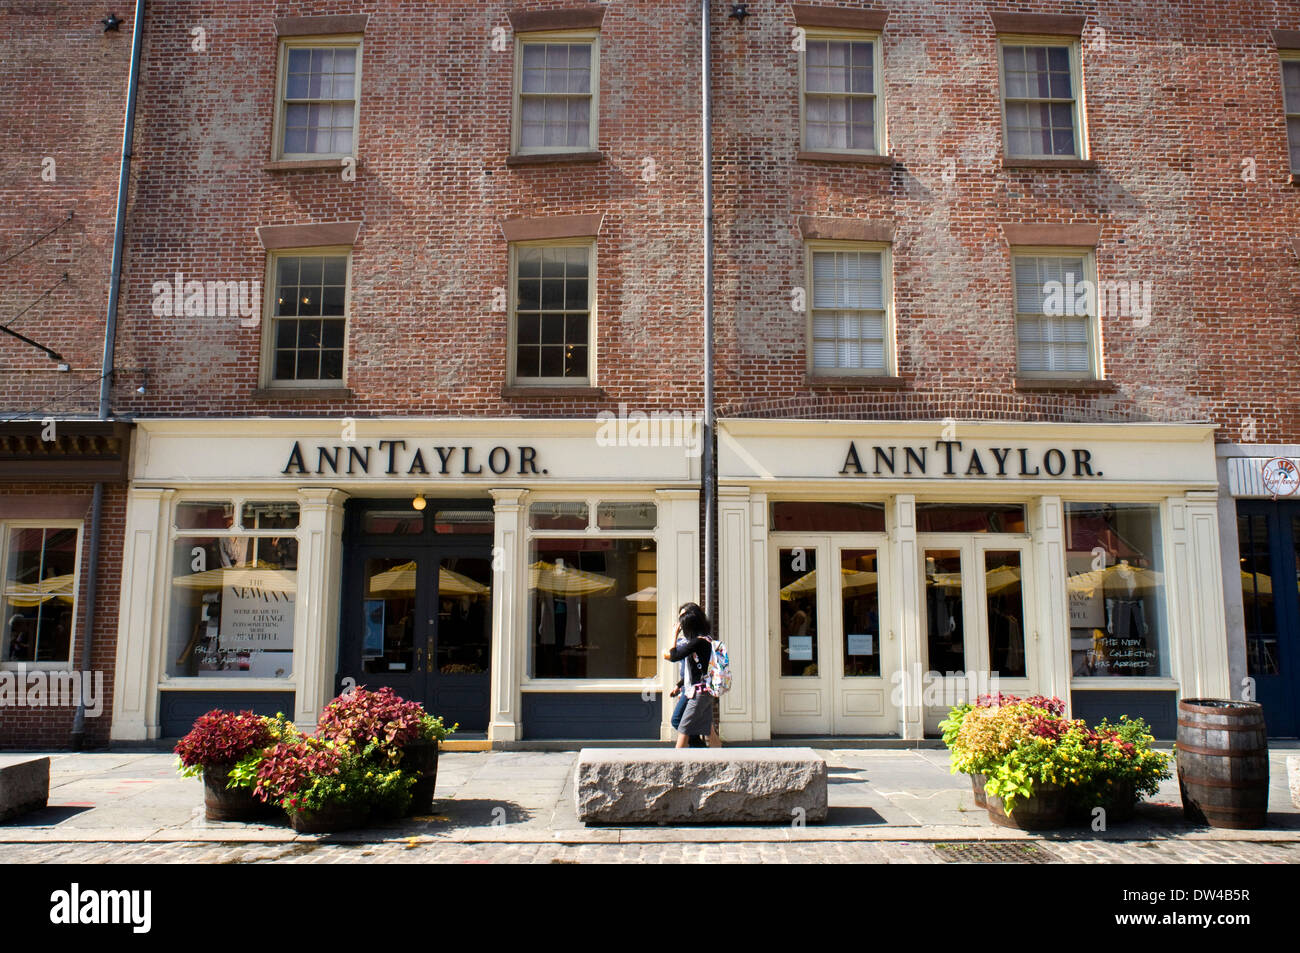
1141, 432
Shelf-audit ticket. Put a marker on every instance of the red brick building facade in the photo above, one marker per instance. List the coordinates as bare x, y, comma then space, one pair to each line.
884, 173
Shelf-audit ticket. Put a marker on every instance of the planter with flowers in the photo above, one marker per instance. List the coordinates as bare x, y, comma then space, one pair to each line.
370, 753
218, 742
1041, 770
403, 733
329, 786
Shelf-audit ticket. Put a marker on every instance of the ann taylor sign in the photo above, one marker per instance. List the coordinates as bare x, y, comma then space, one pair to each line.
954, 458
398, 458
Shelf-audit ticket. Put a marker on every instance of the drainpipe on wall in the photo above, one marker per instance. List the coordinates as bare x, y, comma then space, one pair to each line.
708, 467
106, 378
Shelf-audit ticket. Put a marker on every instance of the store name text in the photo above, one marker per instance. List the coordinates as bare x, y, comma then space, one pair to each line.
393, 458
950, 458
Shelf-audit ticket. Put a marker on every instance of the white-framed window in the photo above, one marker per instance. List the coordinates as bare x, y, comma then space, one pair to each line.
1291, 103
592, 590
318, 99
552, 312
1056, 312
840, 106
557, 94
40, 561
1042, 112
850, 330
305, 336
233, 584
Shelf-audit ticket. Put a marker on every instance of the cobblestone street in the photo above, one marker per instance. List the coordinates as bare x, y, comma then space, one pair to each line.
831, 852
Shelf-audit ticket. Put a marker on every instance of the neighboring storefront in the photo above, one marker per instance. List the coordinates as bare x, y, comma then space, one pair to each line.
1077, 560
510, 574
1260, 517
48, 469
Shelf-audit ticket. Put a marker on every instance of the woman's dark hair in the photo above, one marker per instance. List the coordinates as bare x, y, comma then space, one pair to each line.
694, 621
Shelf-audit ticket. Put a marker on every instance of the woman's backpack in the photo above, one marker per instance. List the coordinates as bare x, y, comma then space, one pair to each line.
717, 681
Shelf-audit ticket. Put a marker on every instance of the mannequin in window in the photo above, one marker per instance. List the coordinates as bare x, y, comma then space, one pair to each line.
1126, 617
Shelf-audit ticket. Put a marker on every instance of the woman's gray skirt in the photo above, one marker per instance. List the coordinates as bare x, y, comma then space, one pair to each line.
697, 719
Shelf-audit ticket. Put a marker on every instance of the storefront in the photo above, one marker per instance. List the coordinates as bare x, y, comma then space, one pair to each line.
1260, 513
874, 573
519, 576
510, 574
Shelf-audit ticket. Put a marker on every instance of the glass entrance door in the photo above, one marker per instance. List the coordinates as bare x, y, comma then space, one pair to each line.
831, 663
976, 616
417, 607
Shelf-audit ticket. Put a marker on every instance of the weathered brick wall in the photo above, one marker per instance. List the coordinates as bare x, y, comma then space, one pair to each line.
432, 189
65, 92
34, 728
1179, 97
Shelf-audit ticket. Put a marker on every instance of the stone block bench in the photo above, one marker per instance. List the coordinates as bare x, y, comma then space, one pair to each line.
700, 785
24, 785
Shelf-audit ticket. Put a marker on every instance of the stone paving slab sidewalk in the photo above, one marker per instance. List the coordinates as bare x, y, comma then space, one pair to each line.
526, 798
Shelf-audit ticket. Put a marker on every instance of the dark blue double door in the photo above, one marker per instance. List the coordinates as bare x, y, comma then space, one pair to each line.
417, 613
1268, 535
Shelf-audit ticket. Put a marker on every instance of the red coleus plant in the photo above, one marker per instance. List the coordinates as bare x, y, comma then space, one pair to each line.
221, 738
291, 767
362, 716
1053, 706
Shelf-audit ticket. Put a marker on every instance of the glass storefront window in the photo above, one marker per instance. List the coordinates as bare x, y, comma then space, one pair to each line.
388, 642
232, 606
827, 516
945, 610
860, 605
40, 595
970, 518
219, 515
636, 515
798, 581
1005, 604
395, 522
591, 608
1260, 617
549, 515
449, 522
1116, 589
277, 515
464, 615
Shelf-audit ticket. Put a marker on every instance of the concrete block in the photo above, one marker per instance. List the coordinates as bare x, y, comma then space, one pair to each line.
24, 786
700, 785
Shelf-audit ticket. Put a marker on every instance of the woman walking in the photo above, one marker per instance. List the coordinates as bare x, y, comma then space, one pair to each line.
695, 647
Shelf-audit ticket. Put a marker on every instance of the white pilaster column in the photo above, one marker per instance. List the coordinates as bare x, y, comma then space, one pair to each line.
909, 590
759, 666
1199, 634
741, 618
677, 546
316, 609
1048, 632
509, 621
141, 625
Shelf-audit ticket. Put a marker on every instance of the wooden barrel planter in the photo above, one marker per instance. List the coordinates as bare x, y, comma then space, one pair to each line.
1223, 763
222, 804
1047, 810
329, 819
977, 782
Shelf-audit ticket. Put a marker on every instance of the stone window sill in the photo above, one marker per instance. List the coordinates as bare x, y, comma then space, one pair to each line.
554, 158
1065, 383
1010, 162
302, 393
849, 158
510, 392
305, 165
872, 381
